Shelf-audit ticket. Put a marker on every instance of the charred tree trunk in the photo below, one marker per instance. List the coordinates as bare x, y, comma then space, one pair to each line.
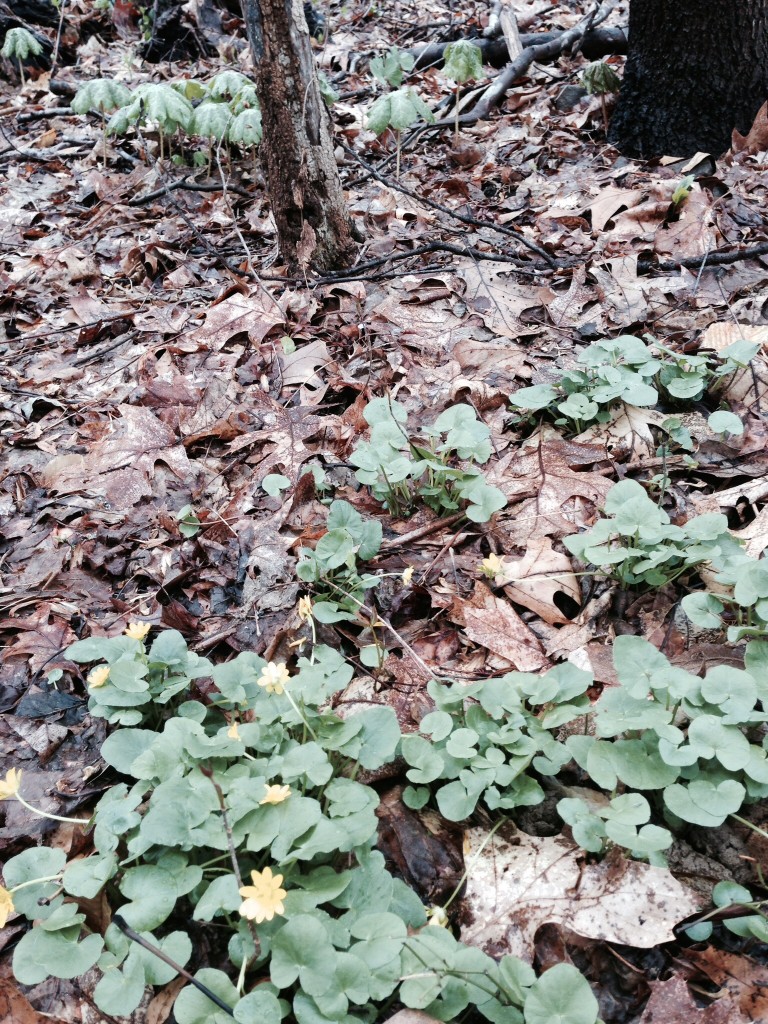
696, 69
313, 225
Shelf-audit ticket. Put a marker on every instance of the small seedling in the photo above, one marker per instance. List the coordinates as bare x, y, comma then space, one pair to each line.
463, 63
18, 45
398, 110
683, 190
599, 79
392, 67
189, 524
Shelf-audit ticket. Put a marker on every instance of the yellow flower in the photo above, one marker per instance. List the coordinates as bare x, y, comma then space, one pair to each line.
137, 630
305, 609
273, 677
11, 785
232, 732
407, 576
275, 794
98, 677
264, 898
6, 906
492, 566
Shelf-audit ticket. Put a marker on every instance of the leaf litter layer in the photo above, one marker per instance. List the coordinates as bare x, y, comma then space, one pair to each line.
151, 376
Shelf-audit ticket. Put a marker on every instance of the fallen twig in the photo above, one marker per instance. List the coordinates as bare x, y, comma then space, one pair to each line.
503, 229
710, 259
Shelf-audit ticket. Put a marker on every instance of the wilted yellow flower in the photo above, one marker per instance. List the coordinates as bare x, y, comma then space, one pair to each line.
305, 609
437, 917
407, 576
275, 794
264, 898
232, 732
11, 785
273, 677
98, 677
137, 630
492, 566
6, 905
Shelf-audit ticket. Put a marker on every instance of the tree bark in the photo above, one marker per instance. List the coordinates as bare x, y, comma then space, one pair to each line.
313, 225
696, 69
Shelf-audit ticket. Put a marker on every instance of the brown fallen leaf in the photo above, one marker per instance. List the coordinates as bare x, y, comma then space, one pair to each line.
743, 979
672, 1003
15, 1009
518, 882
756, 140
493, 623
252, 315
533, 580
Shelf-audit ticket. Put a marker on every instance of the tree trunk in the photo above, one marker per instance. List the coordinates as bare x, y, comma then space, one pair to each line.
313, 225
696, 69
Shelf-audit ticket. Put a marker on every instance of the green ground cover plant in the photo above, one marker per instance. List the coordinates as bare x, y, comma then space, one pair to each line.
255, 785
635, 372
442, 471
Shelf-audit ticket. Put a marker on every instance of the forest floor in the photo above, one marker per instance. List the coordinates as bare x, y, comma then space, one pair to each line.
159, 365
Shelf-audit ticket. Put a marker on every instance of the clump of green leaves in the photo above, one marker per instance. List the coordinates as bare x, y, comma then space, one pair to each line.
398, 110
101, 94
442, 470
158, 104
484, 737
219, 792
622, 821
463, 63
741, 601
627, 370
636, 544
227, 108
18, 45
332, 567
676, 736
391, 68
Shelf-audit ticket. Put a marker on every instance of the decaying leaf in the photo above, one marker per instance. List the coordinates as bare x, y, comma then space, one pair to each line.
519, 882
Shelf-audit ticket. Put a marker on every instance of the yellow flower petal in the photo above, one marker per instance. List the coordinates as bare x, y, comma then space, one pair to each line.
407, 576
492, 566
137, 630
98, 677
6, 906
275, 794
305, 608
232, 732
263, 899
273, 677
12, 783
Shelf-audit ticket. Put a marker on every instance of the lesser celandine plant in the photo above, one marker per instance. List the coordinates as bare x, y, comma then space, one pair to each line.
240, 811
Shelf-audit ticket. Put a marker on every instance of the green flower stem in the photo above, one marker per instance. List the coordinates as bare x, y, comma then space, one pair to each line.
52, 817
36, 881
750, 824
231, 845
472, 863
301, 714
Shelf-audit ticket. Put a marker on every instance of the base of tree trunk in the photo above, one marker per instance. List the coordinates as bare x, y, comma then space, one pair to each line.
696, 70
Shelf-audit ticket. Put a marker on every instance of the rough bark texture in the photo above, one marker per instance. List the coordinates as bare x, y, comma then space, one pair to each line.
313, 225
696, 70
